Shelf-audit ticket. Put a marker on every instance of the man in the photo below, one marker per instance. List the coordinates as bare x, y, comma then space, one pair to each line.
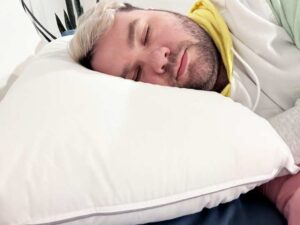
256, 63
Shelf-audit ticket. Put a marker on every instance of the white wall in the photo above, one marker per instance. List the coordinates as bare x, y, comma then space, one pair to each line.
181, 6
18, 37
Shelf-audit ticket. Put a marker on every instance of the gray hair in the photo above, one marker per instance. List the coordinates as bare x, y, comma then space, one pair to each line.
91, 26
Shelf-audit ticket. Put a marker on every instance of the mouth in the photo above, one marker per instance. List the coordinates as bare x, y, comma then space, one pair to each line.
183, 62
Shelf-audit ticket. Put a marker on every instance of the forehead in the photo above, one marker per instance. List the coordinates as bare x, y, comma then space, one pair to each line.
141, 14
124, 18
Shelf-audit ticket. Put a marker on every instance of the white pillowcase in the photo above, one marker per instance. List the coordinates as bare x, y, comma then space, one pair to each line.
81, 147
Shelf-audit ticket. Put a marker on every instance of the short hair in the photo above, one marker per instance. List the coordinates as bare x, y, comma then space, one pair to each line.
91, 26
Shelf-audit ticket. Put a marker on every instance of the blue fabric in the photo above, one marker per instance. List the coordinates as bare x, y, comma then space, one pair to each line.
68, 32
250, 209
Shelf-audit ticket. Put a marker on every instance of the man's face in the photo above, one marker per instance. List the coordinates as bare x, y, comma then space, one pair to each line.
157, 47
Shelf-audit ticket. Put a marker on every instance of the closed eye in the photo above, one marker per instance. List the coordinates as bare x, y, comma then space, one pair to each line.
139, 69
146, 38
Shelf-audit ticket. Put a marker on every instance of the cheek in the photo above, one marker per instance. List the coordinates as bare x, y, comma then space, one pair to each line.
100, 64
96, 65
106, 61
177, 32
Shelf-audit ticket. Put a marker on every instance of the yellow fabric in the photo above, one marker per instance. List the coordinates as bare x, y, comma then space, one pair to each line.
204, 13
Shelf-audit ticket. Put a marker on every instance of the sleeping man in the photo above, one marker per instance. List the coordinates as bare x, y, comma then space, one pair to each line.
246, 50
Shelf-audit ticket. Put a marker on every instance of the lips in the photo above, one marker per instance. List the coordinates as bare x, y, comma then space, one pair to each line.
183, 65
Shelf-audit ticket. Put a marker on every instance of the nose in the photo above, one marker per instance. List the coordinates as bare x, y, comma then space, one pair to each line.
158, 59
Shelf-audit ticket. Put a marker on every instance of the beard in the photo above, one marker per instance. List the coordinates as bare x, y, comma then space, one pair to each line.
202, 71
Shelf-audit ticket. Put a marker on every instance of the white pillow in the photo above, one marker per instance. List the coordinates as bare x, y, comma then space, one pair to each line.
80, 147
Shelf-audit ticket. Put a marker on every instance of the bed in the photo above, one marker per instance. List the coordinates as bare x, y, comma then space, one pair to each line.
249, 209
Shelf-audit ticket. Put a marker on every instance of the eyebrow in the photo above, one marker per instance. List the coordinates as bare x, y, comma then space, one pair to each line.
130, 41
131, 32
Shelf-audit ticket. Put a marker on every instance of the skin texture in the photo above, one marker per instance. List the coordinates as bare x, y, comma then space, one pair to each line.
159, 47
